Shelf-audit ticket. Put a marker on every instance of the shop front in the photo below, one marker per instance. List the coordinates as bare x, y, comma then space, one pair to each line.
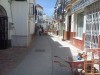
86, 24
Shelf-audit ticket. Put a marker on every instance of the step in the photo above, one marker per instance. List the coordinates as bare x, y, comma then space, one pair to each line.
93, 73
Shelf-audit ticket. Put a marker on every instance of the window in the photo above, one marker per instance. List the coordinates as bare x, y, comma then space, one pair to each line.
35, 13
80, 20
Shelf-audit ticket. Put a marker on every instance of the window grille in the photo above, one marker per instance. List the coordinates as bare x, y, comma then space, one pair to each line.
92, 26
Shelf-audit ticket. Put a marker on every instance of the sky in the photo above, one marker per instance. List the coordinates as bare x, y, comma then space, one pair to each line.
48, 6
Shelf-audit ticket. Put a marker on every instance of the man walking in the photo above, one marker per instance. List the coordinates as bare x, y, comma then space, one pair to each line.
40, 30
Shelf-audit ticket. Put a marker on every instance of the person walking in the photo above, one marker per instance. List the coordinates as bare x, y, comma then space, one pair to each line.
40, 30
36, 29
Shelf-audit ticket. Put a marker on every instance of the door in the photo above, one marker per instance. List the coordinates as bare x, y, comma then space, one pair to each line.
3, 32
69, 27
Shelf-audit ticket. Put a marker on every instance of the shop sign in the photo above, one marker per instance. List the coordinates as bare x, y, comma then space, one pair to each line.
82, 4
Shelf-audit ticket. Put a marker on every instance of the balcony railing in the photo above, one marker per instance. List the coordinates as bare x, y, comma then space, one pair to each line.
81, 4
67, 2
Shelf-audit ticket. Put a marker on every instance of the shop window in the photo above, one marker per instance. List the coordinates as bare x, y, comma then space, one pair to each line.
80, 21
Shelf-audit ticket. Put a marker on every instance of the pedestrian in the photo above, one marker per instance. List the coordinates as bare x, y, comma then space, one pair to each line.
40, 30
36, 29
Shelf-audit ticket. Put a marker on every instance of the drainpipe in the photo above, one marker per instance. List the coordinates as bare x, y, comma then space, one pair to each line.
63, 5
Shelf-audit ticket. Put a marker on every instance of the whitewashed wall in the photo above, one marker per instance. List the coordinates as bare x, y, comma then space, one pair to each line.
20, 20
32, 26
32, 18
18, 14
20, 17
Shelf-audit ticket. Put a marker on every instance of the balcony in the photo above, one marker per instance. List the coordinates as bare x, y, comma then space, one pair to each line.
82, 4
67, 2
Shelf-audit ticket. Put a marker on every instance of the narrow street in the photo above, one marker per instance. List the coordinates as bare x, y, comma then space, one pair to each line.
40, 60
49, 37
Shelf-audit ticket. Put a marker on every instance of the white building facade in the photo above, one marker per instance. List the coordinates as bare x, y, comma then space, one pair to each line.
20, 21
82, 23
47, 21
39, 17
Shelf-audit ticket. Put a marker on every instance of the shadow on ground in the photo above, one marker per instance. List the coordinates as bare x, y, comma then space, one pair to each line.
10, 58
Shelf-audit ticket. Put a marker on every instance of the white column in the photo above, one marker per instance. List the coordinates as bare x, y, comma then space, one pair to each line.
84, 25
72, 23
66, 22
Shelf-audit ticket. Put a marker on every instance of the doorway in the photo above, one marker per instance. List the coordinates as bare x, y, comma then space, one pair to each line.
69, 27
3, 29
